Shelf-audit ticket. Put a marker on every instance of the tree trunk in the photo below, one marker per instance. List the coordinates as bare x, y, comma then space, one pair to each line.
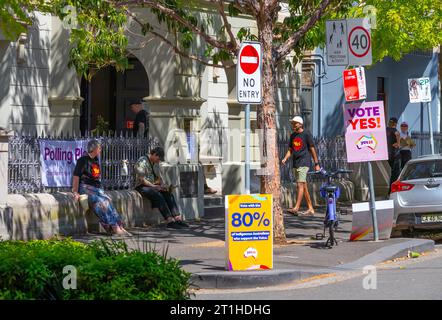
266, 117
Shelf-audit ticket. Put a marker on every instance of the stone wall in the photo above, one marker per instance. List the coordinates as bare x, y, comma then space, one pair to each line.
42, 216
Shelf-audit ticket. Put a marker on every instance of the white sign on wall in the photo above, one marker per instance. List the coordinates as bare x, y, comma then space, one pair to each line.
248, 73
419, 90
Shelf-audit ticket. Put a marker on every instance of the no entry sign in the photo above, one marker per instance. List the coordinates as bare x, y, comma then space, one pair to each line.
248, 73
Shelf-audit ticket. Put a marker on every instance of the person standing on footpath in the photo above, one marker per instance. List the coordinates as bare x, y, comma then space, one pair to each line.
301, 146
394, 156
406, 144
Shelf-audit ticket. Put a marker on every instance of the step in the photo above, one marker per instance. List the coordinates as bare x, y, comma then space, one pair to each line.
213, 201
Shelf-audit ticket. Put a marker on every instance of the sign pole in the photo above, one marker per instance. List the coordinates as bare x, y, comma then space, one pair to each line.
430, 123
372, 202
247, 149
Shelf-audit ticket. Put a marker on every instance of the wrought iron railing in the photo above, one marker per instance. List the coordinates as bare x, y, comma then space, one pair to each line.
24, 167
331, 153
422, 140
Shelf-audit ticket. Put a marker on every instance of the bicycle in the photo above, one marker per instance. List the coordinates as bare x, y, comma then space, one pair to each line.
331, 193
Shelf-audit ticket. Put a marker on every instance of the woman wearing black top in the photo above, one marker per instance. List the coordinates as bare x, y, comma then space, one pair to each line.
87, 180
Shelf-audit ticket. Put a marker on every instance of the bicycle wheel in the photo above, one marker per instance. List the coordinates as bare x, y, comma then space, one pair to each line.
331, 231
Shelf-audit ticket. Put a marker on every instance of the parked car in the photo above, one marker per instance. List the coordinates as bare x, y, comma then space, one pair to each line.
417, 196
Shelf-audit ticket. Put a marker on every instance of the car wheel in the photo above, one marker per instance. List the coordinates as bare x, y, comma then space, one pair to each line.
396, 233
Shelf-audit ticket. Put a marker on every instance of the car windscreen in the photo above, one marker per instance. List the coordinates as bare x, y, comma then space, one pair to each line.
423, 170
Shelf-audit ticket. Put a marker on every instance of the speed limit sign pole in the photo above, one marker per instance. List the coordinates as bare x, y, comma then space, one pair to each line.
248, 91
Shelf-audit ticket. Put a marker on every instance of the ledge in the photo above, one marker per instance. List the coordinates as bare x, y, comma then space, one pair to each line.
183, 101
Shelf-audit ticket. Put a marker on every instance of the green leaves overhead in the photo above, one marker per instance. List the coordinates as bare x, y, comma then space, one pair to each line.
98, 27
98, 35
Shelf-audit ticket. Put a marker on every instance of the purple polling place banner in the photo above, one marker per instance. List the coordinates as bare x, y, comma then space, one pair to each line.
58, 159
365, 131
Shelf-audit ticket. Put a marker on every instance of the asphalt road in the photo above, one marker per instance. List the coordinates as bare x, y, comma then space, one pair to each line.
416, 279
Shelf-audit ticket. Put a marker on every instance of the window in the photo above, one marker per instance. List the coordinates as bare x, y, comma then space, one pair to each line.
381, 94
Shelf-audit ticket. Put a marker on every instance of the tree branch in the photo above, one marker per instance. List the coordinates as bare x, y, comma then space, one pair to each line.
285, 48
174, 47
182, 53
233, 42
172, 14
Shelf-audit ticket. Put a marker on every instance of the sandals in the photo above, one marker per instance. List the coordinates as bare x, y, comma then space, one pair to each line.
293, 212
307, 213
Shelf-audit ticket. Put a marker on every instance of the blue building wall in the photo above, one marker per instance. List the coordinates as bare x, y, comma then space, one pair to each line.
396, 76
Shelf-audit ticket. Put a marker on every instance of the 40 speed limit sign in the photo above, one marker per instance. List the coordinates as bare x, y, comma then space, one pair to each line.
359, 42
249, 232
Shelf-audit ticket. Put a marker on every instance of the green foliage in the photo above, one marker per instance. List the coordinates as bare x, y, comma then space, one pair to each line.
15, 17
403, 26
102, 127
100, 40
105, 270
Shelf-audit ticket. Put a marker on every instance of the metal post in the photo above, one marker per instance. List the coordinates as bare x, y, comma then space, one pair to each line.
247, 150
430, 123
372, 202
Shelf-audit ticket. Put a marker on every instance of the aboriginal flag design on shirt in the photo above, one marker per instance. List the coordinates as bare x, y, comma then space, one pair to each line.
299, 145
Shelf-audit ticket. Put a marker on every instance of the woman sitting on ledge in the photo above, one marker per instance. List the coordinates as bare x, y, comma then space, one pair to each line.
87, 180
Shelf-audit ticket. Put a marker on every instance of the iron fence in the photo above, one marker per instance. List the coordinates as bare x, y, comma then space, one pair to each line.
422, 140
331, 154
24, 167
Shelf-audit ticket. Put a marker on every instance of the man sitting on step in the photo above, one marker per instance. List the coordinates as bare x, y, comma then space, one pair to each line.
150, 185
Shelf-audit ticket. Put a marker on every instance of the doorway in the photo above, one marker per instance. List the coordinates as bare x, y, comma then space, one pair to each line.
108, 96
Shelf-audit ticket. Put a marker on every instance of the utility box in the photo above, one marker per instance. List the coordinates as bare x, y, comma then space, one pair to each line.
362, 227
189, 191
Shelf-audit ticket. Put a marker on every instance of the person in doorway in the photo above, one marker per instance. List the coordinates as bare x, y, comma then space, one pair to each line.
141, 125
406, 144
87, 180
394, 156
302, 147
149, 185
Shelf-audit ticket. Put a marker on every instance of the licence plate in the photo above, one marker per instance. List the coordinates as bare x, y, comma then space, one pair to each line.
430, 218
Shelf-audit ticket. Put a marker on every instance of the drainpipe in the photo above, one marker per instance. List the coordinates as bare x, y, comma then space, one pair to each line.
318, 59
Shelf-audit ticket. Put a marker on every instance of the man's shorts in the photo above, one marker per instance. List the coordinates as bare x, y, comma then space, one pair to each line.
300, 174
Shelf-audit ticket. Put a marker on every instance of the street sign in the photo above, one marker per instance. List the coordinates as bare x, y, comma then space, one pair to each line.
419, 90
249, 232
354, 84
248, 73
365, 138
336, 42
359, 42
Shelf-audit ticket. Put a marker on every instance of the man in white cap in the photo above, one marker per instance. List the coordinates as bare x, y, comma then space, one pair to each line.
301, 145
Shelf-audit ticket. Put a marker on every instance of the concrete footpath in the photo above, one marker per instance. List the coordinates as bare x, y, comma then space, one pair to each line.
201, 250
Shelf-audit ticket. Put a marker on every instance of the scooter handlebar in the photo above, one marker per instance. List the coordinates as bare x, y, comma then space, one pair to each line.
325, 173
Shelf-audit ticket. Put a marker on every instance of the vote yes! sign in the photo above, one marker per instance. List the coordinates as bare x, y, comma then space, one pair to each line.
365, 131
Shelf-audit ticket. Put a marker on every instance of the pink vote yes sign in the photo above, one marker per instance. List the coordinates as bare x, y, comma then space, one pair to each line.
365, 131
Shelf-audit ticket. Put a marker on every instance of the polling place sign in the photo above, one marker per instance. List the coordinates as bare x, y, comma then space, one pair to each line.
58, 159
365, 131
249, 232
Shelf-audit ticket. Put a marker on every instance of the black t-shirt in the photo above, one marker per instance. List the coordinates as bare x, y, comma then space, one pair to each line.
141, 117
89, 171
391, 139
299, 145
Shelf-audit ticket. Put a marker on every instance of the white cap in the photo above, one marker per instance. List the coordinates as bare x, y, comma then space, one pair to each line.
297, 119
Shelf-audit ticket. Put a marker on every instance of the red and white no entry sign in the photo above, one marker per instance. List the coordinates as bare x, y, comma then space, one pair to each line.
248, 73
249, 59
